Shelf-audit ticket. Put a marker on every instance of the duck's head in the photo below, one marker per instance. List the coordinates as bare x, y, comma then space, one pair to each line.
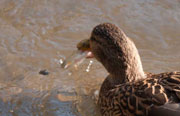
115, 51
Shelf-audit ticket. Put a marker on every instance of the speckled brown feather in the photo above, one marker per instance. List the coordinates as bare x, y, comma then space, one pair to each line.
137, 98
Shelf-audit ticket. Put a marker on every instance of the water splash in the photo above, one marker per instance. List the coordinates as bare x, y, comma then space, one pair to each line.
89, 66
74, 60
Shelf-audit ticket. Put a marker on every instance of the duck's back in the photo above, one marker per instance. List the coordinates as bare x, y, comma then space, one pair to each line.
156, 95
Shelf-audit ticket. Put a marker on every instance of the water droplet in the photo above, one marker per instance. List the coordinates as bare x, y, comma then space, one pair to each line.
89, 66
69, 73
61, 61
11, 111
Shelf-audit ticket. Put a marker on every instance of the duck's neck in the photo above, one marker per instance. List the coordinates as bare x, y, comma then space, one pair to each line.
132, 73
127, 67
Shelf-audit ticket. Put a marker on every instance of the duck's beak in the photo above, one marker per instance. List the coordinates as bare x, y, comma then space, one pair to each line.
77, 57
84, 46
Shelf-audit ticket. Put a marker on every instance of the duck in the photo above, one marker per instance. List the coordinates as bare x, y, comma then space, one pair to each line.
128, 90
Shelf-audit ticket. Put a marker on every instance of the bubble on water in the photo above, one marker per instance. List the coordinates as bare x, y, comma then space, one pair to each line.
96, 93
61, 61
11, 111
69, 73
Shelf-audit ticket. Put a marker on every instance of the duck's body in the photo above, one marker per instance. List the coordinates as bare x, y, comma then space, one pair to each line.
128, 91
142, 97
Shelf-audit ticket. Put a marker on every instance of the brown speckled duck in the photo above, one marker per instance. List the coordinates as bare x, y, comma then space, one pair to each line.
128, 90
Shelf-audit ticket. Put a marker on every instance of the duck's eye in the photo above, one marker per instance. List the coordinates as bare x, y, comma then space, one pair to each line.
93, 39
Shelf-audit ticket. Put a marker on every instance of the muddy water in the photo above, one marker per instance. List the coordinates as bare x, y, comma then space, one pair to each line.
36, 34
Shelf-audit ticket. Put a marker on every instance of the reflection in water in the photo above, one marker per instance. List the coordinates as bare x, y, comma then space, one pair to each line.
34, 35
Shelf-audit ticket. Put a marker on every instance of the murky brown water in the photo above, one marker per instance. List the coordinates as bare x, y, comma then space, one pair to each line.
35, 34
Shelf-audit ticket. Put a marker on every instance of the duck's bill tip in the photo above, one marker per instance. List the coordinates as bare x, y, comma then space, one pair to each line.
89, 54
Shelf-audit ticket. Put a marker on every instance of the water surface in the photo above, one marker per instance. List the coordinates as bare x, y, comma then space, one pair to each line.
35, 34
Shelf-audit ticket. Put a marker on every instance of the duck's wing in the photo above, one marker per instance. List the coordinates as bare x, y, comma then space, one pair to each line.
155, 94
171, 87
166, 110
